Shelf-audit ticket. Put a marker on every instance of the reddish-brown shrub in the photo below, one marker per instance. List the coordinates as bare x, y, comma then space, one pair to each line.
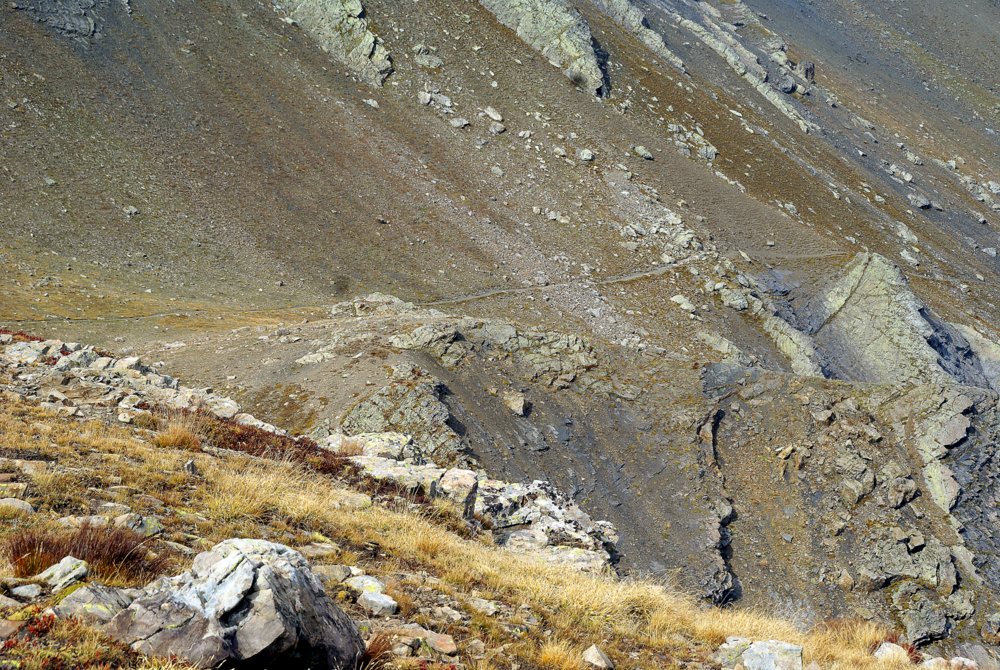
118, 555
21, 336
378, 653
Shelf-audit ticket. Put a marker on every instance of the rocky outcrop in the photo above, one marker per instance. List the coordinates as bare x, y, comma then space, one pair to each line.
533, 518
558, 32
559, 360
740, 59
987, 351
247, 602
77, 380
341, 28
870, 327
631, 18
795, 345
72, 18
411, 403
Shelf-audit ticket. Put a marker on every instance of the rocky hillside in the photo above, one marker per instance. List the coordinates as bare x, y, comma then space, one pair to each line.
639, 292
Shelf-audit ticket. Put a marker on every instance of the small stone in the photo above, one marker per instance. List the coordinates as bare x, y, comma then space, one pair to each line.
15, 505
459, 122
642, 152
683, 303
26, 591
483, 606
442, 644
147, 526
596, 658
476, 648
377, 604
585, 155
493, 114
845, 581
515, 402
333, 574
65, 573
9, 628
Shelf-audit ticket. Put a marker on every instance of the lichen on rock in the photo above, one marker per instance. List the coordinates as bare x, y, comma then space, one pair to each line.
559, 32
341, 29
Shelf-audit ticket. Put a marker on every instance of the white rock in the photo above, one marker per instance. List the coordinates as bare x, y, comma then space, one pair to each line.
365, 584
65, 573
596, 658
891, 653
773, 655
377, 604
683, 303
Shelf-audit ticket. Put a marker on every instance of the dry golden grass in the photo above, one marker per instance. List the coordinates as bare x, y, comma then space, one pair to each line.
558, 655
180, 433
286, 501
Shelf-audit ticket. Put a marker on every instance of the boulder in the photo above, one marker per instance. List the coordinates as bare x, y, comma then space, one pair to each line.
26, 591
515, 402
889, 652
642, 152
243, 602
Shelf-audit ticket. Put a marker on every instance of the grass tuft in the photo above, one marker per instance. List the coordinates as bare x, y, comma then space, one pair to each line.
178, 435
378, 653
558, 655
115, 555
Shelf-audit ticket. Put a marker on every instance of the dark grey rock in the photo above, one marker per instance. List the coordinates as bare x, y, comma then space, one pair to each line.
245, 601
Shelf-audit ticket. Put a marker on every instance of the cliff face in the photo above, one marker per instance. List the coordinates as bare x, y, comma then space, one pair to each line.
662, 255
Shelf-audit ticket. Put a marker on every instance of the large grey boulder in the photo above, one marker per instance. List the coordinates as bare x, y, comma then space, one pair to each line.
556, 30
244, 601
